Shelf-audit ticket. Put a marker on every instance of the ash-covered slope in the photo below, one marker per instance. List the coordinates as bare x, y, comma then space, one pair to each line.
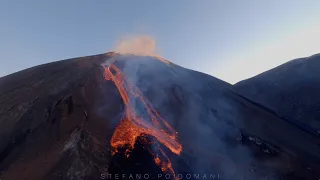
290, 90
40, 107
57, 121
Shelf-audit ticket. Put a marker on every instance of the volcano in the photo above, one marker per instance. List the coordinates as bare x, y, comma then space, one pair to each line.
124, 116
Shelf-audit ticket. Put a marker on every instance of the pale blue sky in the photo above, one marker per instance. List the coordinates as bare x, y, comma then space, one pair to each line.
229, 39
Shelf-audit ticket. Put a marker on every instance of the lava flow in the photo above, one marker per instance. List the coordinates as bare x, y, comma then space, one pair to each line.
141, 118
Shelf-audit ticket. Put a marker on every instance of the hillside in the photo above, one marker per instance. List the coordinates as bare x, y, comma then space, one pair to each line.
290, 90
75, 119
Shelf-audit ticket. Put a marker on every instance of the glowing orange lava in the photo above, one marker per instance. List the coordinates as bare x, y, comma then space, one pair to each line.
137, 123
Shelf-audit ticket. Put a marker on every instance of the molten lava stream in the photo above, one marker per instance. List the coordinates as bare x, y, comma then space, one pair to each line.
133, 125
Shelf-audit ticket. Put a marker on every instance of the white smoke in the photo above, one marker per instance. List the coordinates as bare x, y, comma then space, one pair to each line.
138, 45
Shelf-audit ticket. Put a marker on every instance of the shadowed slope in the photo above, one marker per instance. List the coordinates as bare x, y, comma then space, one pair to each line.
290, 90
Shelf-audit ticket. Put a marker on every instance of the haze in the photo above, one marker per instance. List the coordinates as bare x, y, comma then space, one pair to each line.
231, 40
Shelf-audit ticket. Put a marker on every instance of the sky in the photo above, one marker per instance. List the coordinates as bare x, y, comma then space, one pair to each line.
231, 40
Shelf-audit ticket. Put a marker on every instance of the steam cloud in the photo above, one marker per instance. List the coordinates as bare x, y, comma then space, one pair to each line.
139, 45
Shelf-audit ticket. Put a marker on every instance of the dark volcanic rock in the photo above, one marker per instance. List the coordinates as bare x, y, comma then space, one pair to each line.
290, 90
57, 120
42, 115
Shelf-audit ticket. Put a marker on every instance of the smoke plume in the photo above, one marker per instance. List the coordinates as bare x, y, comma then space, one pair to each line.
138, 45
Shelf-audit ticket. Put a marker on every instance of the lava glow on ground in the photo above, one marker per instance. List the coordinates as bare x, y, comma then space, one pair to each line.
141, 118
